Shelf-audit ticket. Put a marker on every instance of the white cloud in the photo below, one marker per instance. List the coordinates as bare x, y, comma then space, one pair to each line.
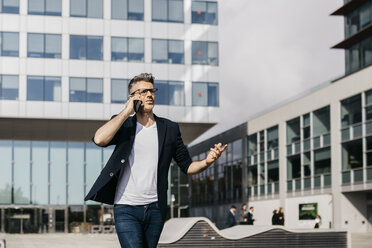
273, 50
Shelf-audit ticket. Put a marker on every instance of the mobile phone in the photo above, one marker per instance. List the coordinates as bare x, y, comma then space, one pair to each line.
137, 105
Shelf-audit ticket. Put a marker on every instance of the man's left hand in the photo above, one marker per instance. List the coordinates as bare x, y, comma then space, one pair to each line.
215, 153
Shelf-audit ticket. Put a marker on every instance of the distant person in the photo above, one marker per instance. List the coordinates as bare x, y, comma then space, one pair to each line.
275, 218
230, 219
250, 216
318, 222
281, 217
244, 213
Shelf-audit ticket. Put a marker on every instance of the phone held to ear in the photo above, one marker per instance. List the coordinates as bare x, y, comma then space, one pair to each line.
137, 105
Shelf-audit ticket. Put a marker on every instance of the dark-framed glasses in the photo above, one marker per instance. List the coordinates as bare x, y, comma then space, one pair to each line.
143, 92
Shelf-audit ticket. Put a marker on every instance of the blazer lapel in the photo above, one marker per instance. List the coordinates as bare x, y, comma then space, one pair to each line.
133, 130
162, 128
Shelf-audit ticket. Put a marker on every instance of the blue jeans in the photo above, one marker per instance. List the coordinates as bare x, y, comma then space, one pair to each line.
138, 226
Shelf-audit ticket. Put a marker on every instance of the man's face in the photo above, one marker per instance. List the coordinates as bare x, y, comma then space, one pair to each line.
148, 99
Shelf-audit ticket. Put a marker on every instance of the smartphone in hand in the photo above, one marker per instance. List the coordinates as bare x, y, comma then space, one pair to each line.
137, 105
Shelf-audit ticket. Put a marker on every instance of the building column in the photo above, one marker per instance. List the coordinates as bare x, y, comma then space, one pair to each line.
66, 219
2, 220
336, 165
282, 165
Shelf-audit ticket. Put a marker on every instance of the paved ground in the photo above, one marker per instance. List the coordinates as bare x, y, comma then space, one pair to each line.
70, 240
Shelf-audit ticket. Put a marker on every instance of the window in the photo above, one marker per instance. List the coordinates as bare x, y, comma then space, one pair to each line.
45, 7
119, 90
41, 88
44, 45
351, 111
322, 161
168, 51
293, 167
86, 90
204, 53
252, 144
86, 47
352, 155
293, 130
86, 8
359, 56
127, 9
167, 10
170, 93
321, 121
272, 138
9, 43
127, 49
9, 6
273, 171
358, 19
306, 126
204, 12
8, 87
205, 94
369, 105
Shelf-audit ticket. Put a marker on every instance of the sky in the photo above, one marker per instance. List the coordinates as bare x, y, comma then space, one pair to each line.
271, 51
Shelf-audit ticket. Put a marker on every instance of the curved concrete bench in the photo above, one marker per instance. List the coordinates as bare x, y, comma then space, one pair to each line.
200, 231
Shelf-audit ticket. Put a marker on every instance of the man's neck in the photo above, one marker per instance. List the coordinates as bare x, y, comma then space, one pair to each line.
146, 119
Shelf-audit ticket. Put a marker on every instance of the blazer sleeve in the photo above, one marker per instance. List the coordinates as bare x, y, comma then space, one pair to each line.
115, 139
181, 154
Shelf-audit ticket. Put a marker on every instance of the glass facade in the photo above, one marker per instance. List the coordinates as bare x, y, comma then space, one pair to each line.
358, 19
167, 11
41, 88
127, 9
358, 56
45, 7
44, 45
9, 44
9, 6
127, 49
205, 94
168, 51
263, 163
86, 47
9, 87
356, 135
86, 8
48, 172
170, 93
204, 53
308, 151
86, 90
204, 12
222, 182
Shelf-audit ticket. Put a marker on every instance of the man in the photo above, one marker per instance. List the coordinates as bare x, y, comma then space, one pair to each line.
250, 217
230, 218
135, 178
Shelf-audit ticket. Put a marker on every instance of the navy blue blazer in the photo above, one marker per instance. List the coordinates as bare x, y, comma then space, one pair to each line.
170, 146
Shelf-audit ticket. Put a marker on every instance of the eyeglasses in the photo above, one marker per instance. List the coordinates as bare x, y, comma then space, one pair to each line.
143, 92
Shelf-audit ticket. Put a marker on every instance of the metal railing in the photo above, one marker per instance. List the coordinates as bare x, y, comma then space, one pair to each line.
307, 183
357, 175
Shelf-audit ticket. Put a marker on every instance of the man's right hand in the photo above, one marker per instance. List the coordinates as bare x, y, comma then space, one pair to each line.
129, 105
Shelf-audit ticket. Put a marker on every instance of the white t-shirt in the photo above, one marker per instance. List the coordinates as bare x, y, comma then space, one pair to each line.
137, 183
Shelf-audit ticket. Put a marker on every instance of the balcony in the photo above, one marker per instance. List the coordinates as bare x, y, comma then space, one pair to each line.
309, 183
357, 179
